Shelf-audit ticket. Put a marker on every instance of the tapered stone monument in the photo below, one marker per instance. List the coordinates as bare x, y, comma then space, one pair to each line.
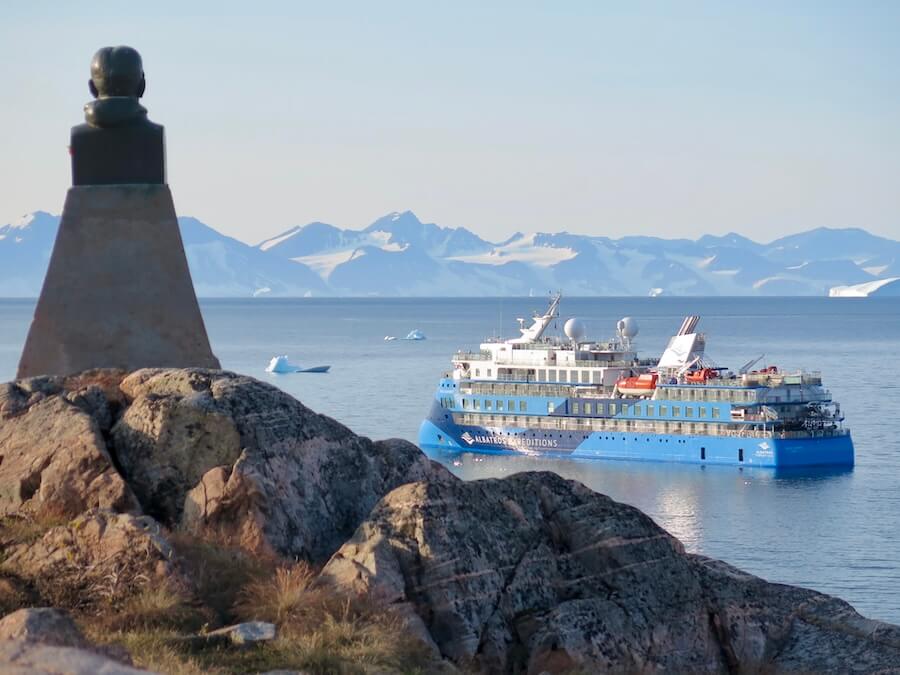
118, 292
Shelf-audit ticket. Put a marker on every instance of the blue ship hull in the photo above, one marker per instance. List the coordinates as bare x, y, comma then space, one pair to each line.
440, 432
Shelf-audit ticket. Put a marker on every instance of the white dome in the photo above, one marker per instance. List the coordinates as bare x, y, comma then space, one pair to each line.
627, 327
574, 329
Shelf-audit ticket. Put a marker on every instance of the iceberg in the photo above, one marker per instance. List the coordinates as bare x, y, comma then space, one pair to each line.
415, 334
281, 366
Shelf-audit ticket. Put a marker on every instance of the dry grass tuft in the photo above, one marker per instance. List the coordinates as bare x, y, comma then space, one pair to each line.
156, 650
278, 597
324, 631
218, 572
156, 607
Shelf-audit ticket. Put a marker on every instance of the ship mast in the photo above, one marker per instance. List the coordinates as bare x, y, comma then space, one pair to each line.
539, 324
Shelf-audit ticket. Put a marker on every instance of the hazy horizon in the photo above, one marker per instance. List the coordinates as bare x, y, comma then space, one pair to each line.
645, 119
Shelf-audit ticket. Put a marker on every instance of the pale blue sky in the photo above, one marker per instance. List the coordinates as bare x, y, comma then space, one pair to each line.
664, 118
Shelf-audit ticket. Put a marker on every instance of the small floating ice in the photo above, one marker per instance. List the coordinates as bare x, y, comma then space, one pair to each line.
389, 338
281, 366
415, 334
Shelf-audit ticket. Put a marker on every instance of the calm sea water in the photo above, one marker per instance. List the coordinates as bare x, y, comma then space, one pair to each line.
834, 531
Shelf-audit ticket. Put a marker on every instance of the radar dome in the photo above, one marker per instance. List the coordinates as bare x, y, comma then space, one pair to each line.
574, 329
627, 327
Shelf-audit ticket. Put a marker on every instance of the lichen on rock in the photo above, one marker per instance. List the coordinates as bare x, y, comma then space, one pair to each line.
535, 573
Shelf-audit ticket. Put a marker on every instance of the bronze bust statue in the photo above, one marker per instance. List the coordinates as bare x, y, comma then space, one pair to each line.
117, 144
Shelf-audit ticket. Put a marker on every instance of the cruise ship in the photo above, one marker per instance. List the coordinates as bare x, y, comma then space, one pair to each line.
569, 396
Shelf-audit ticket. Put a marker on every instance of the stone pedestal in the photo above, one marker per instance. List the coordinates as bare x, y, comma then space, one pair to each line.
118, 293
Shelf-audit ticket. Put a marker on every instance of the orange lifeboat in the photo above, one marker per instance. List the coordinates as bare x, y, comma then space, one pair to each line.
701, 376
641, 385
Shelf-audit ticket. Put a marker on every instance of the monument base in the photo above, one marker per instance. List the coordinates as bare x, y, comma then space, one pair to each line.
118, 292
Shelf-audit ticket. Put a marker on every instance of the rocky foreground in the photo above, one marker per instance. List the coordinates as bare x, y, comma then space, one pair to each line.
151, 508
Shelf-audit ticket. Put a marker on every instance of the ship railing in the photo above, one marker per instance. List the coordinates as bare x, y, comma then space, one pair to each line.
597, 363
520, 388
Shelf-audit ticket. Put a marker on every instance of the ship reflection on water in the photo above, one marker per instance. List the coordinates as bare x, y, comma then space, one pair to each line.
706, 507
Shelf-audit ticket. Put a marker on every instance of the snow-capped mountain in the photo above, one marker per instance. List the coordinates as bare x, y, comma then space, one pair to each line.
399, 255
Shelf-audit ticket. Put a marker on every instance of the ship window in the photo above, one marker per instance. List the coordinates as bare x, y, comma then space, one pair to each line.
715, 413
740, 454
550, 407
702, 453
676, 411
575, 407
523, 407
585, 377
663, 411
487, 404
637, 411
551, 376
499, 405
511, 406
597, 376
478, 372
650, 411
476, 404
701, 411
542, 375
465, 404
488, 372
688, 411
587, 408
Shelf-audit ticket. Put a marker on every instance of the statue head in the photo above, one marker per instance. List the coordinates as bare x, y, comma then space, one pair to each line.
117, 71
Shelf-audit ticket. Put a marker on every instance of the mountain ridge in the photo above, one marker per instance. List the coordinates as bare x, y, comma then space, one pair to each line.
398, 255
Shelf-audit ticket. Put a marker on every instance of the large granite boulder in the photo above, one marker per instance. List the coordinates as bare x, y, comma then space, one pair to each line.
205, 451
53, 456
535, 573
225, 455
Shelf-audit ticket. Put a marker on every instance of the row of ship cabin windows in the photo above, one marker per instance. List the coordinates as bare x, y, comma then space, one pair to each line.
475, 404
587, 408
561, 375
